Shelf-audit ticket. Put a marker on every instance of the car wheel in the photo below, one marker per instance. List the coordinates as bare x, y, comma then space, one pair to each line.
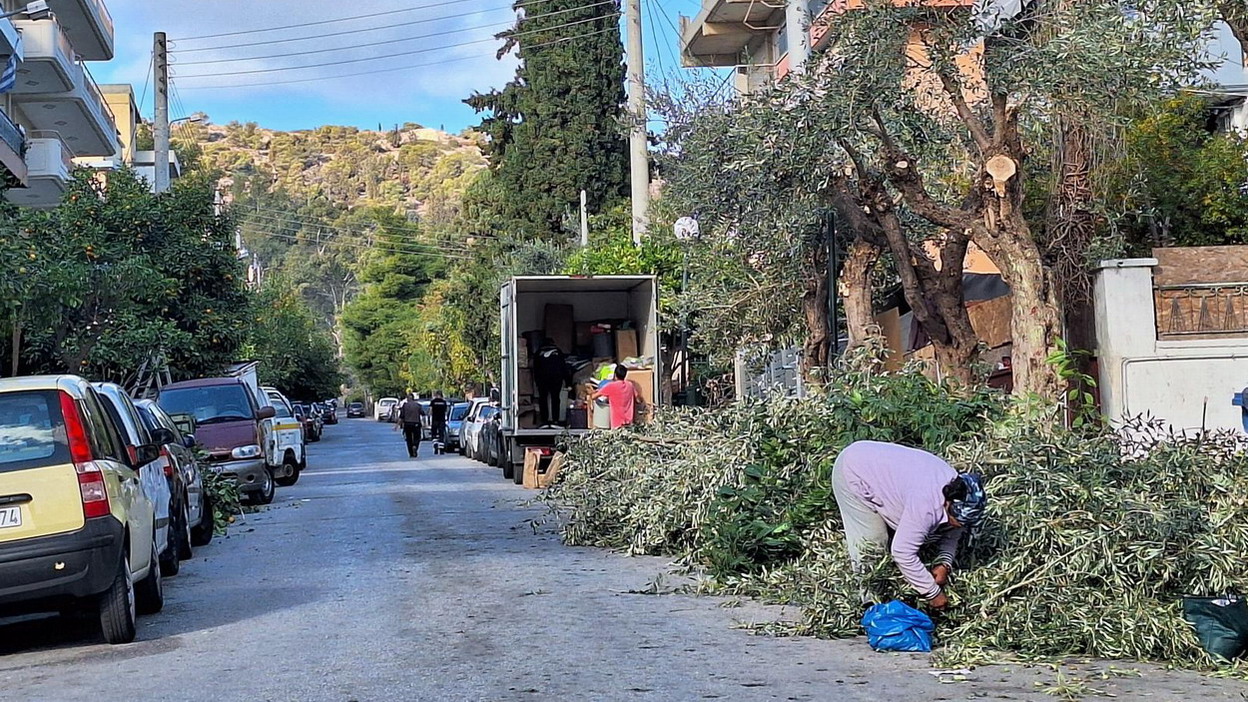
517, 471
289, 467
202, 533
149, 594
117, 608
185, 547
267, 490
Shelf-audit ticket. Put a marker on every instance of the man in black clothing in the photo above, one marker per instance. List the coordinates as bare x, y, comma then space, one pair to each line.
439, 408
550, 370
410, 413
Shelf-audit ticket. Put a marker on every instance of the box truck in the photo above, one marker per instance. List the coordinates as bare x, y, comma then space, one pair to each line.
595, 320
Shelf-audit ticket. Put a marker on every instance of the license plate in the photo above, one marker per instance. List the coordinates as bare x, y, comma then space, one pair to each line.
10, 517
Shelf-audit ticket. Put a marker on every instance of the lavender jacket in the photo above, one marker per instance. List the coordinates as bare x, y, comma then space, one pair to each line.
904, 486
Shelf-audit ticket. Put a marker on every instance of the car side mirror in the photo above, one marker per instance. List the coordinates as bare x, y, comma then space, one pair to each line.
188, 440
266, 413
145, 454
163, 435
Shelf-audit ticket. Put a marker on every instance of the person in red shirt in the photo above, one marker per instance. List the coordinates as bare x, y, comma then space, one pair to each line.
622, 397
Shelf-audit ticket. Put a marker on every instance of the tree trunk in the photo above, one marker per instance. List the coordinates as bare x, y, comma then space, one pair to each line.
16, 342
1235, 14
855, 290
816, 350
1035, 318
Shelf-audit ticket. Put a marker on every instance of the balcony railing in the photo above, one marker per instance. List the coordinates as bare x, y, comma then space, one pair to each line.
1201, 309
12, 135
97, 96
105, 18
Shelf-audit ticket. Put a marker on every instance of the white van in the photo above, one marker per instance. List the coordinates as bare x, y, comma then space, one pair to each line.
286, 440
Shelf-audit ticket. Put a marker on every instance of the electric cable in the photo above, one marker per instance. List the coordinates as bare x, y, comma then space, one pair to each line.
396, 55
268, 220
408, 67
356, 32
319, 23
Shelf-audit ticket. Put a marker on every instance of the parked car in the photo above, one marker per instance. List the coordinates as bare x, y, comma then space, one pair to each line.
328, 413
491, 442
178, 449
355, 410
384, 408
312, 423
474, 406
233, 424
288, 439
182, 475
473, 433
134, 437
454, 421
77, 520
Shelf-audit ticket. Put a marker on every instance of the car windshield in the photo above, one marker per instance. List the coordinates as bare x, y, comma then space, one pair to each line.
458, 412
487, 412
212, 404
31, 432
357, 405
280, 407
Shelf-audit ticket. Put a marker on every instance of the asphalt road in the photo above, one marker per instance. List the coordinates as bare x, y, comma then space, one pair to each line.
378, 577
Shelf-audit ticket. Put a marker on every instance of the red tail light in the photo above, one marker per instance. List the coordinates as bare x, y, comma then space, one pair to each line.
164, 455
90, 478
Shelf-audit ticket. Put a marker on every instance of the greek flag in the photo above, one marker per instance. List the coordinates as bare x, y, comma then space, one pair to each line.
8, 79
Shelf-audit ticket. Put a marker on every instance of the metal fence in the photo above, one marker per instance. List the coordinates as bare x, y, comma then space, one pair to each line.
779, 374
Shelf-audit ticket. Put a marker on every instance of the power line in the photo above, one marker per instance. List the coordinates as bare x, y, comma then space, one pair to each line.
361, 245
356, 32
407, 67
268, 220
397, 55
320, 23
291, 218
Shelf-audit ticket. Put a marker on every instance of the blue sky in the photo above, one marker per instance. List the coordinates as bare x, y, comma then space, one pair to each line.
426, 86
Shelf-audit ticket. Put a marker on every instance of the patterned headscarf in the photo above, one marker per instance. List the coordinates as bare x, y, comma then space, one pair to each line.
970, 511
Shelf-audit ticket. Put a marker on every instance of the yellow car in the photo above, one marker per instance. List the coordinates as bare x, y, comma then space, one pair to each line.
77, 522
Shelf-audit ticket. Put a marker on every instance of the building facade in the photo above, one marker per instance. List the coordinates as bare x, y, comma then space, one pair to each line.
54, 111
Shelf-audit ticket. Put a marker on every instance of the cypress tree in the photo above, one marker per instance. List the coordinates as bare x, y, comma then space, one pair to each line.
555, 129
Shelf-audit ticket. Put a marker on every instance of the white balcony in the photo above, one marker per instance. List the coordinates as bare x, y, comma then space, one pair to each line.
48, 66
89, 26
724, 28
49, 169
79, 115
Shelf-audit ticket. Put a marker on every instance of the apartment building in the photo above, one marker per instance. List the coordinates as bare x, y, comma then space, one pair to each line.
54, 112
754, 37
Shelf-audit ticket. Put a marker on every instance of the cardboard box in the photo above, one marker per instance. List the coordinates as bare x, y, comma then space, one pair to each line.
626, 343
524, 382
537, 469
522, 352
643, 381
560, 326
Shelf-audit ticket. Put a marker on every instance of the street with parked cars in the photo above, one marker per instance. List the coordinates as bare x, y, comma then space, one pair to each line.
103, 496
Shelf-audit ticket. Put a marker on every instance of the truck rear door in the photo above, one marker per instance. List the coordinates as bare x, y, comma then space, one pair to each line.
507, 317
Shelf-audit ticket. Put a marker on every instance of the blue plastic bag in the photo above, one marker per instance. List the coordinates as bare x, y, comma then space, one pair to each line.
897, 626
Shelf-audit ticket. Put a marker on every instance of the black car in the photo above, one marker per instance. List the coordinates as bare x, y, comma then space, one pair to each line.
329, 414
355, 409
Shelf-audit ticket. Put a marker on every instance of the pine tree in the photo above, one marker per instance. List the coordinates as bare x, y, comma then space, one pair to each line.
555, 129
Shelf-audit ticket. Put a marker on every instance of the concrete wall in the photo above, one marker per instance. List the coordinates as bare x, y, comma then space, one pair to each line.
1187, 383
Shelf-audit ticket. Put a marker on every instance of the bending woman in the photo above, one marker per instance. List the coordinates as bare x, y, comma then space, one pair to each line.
886, 488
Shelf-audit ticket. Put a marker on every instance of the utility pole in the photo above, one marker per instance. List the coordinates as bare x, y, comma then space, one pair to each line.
639, 158
797, 34
584, 219
160, 129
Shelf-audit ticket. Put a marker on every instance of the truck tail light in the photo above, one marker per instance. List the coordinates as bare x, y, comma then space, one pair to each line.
90, 477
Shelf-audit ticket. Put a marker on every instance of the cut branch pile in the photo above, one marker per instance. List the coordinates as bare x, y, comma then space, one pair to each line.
1092, 541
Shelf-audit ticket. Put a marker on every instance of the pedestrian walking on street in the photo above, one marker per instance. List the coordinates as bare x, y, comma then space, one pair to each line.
410, 414
621, 395
885, 490
439, 409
